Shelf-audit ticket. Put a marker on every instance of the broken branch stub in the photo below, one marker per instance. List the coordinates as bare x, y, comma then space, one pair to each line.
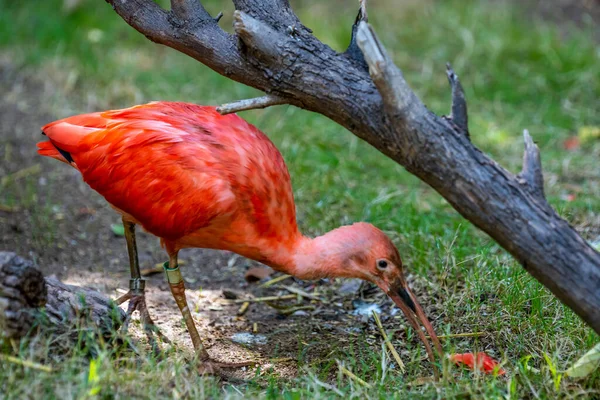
458, 113
273, 52
531, 173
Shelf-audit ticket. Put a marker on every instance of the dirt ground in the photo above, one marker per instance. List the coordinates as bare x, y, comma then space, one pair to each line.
65, 228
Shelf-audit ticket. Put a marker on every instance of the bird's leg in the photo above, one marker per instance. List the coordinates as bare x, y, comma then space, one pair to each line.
206, 364
136, 294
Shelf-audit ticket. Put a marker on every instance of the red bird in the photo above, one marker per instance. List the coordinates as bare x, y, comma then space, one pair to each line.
196, 178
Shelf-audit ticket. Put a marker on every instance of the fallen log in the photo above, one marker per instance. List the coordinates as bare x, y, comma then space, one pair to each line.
26, 297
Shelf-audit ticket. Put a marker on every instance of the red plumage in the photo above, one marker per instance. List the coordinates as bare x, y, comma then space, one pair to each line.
185, 173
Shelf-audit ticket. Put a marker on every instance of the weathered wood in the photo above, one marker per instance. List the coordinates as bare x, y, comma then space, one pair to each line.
24, 292
71, 307
273, 52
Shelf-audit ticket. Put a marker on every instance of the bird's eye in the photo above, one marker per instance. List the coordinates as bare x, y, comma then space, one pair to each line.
382, 264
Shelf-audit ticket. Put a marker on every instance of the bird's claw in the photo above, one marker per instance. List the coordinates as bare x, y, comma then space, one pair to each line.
137, 302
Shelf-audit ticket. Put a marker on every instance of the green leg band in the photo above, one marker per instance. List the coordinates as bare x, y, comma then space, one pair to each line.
173, 274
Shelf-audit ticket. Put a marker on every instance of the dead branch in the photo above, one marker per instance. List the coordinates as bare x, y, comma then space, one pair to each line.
273, 52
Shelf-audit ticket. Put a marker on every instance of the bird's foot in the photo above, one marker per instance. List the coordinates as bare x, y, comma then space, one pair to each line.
216, 368
137, 302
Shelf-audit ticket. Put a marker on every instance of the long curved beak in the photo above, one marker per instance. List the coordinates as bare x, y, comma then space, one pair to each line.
407, 302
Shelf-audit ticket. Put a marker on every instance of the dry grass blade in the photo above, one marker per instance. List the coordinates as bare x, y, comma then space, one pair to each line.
455, 335
25, 172
389, 345
355, 378
243, 308
303, 293
262, 299
275, 280
25, 363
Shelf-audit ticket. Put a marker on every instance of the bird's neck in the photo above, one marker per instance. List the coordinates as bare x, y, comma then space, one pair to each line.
307, 258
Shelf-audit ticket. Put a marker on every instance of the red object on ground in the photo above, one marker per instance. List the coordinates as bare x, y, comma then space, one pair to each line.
484, 362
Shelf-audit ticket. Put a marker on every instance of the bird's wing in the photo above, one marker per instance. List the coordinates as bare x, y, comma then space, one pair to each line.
149, 164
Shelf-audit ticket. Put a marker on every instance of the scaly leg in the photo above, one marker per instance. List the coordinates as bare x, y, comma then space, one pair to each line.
206, 364
136, 295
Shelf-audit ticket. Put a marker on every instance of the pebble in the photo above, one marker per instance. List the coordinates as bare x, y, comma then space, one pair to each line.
248, 338
365, 309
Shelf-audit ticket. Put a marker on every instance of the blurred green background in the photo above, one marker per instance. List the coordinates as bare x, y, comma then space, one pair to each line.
524, 65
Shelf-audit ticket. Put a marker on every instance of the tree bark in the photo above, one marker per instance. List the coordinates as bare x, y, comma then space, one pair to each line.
366, 93
25, 295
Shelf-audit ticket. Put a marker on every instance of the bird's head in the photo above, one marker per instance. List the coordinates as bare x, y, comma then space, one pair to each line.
363, 251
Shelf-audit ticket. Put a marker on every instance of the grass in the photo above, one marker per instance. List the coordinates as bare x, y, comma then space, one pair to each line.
517, 72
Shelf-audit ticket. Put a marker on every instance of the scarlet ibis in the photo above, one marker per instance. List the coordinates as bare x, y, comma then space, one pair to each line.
196, 178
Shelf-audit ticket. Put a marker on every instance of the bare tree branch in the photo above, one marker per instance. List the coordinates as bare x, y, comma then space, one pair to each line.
273, 52
458, 114
394, 90
250, 104
532, 167
189, 10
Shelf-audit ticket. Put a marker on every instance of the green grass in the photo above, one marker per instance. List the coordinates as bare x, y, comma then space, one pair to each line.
517, 72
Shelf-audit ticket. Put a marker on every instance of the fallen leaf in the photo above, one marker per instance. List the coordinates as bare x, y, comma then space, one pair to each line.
571, 144
568, 197
484, 362
117, 229
256, 274
589, 362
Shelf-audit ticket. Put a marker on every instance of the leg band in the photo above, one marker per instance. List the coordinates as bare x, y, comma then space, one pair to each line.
137, 284
173, 274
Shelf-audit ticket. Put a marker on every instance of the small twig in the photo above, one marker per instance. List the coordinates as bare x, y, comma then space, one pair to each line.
389, 345
303, 293
274, 281
455, 335
458, 113
243, 308
25, 363
350, 375
34, 169
262, 299
251, 104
